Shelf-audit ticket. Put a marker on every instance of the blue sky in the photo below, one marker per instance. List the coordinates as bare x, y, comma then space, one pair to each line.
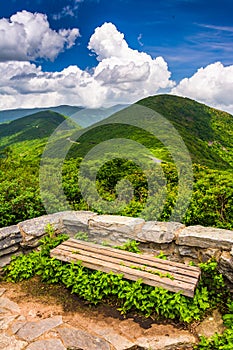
188, 34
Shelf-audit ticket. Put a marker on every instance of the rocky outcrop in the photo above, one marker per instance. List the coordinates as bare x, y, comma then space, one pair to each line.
179, 243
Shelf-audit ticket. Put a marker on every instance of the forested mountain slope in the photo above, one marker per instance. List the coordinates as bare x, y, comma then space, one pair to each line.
206, 132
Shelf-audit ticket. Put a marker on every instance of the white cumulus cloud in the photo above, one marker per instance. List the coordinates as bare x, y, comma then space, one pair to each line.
212, 85
122, 69
28, 36
122, 75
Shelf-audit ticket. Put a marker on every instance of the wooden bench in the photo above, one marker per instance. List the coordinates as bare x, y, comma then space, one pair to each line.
175, 277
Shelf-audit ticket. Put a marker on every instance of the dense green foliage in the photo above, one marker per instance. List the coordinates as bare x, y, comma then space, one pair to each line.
217, 342
208, 137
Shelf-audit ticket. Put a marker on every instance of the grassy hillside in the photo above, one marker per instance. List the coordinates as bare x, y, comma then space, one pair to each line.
207, 133
32, 127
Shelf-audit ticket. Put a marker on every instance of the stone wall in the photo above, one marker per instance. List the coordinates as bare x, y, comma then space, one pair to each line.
179, 243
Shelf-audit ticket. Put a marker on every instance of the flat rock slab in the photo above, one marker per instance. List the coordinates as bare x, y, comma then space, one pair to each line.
6, 303
12, 248
211, 325
118, 341
51, 344
159, 232
205, 237
17, 325
75, 221
32, 330
10, 241
11, 343
5, 321
2, 291
159, 338
35, 228
105, 225
77, 339
9, 232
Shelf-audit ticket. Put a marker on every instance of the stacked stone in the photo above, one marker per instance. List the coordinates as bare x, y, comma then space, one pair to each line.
179, 243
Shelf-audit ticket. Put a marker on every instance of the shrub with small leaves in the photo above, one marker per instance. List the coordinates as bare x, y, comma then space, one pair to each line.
130, 246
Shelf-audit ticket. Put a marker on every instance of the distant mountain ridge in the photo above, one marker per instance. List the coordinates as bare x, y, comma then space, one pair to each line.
82, 116
12, 114
42, 124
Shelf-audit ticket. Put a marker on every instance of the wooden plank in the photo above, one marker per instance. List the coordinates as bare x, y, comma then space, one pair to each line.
147, 256
147, 278
129, 273
119, 259
168, 266
122, 261
132, 274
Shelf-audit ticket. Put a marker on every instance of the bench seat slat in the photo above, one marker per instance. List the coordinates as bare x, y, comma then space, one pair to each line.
169, 266
133, 262
108, 259
132, 274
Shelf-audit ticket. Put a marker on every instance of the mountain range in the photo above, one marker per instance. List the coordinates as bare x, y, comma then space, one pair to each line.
12, 114
82, 116
207, 132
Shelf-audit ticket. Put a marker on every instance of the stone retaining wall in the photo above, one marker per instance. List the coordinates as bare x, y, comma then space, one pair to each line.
179, 243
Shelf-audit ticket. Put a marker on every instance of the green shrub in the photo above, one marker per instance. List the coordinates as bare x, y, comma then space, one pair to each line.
130, 246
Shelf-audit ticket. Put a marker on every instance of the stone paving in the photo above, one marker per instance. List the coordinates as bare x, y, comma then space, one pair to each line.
18, 332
